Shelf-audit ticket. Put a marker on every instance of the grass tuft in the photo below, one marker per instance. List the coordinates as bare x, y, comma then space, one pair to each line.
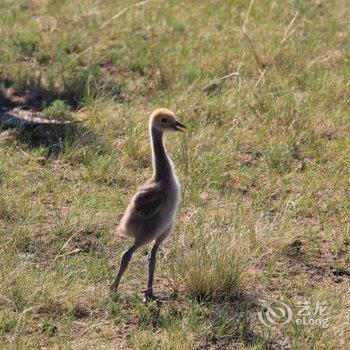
58, 110
216, 267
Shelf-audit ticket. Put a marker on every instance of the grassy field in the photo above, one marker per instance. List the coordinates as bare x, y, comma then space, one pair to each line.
264, 88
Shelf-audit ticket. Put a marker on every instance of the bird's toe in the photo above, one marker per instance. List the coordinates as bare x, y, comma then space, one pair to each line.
113, 288
148, 295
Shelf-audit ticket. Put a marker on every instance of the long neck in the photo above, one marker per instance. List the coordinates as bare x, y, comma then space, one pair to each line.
162, 166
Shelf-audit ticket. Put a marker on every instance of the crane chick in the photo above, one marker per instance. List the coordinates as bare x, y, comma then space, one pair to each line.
151, 213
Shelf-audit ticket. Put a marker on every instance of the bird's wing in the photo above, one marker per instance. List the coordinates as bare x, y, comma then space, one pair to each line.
149, 200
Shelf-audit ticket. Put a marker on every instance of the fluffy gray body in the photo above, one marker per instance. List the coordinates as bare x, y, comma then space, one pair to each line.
150, 223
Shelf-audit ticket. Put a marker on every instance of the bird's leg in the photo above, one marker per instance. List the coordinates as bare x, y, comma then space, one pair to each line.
123, 265
151, 267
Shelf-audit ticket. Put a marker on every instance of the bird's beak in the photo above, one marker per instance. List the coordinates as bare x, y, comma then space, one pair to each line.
179, 126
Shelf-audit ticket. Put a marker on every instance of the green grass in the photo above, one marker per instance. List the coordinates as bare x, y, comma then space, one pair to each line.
264, 169
57, 110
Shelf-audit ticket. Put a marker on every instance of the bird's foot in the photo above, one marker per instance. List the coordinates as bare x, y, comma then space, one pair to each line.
113, 288
148, 295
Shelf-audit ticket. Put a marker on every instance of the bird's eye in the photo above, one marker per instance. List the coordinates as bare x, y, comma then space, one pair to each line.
164, 120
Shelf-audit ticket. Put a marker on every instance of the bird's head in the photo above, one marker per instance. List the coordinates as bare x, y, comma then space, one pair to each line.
164, 119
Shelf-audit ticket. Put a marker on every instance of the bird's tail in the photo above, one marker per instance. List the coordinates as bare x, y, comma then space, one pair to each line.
119, 230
